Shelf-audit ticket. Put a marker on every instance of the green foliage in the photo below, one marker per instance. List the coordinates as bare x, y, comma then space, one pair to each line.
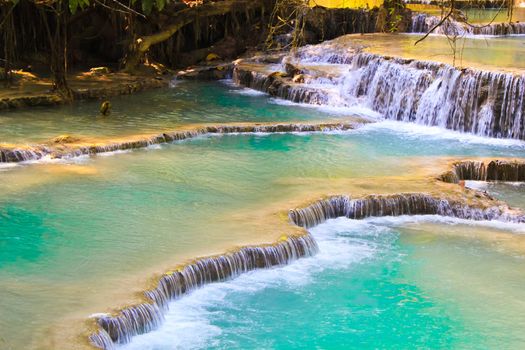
160, 4
395, 20
148, 5
74, 5
78, 5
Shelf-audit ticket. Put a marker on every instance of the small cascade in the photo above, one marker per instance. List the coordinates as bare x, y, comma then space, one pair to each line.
422, 23
145, 317
17, 154
496, 170
13, 155
142, 318
467, 100
396, 205
274, 85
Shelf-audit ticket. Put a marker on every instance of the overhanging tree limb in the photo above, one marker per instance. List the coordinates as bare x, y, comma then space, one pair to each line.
181, 19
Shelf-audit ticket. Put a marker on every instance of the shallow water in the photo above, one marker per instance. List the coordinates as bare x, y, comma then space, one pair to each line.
149, 112
496, 53
84, 236
494, 15
511, 192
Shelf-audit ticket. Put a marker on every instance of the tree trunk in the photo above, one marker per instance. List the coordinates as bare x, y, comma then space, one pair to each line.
181, 19
8, 31
57, 36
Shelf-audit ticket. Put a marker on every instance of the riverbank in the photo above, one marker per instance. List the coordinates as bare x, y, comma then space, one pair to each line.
30, 90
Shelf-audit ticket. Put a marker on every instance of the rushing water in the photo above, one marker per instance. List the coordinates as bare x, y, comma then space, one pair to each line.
83, 236
382, 283
382, 73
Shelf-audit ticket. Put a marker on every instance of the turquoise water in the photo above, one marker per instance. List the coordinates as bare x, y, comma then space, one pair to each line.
84, 236
152, 111
512, 193
496, 54
374, 285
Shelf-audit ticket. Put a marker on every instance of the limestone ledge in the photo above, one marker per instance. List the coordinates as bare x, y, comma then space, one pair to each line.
22, 100
66, 146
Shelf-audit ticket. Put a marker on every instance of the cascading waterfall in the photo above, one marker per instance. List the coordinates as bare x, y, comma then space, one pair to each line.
422, 23
145, 317
396, 205
9, 154
142, 318
429, 93
496, 170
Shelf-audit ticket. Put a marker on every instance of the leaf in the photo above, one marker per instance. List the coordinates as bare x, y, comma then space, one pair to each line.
160, 4
73, 5
147, 6
212, 57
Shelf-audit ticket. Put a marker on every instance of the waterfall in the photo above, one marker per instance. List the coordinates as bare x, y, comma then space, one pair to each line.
19, 154
422, 23
435, 94
396, 205
145, 317
142, 318
496, 170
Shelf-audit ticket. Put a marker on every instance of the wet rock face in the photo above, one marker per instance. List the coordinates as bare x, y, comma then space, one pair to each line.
400, 204
146, 317
31, 101
278, 85
292, 70
65, 139
65, 146
210, 72
14, 155
496, 170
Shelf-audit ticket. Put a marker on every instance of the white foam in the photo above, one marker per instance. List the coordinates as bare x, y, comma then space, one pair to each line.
8, 166
188, 323
175, 82
240, 90
112, 153
437, 133
397, 221
154, 147
47, 159
476, 185
357, 110
342, 242
248, 92
65, 160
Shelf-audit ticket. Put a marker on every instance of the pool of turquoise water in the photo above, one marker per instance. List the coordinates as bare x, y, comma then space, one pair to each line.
84, 236
379, 284
187, 102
